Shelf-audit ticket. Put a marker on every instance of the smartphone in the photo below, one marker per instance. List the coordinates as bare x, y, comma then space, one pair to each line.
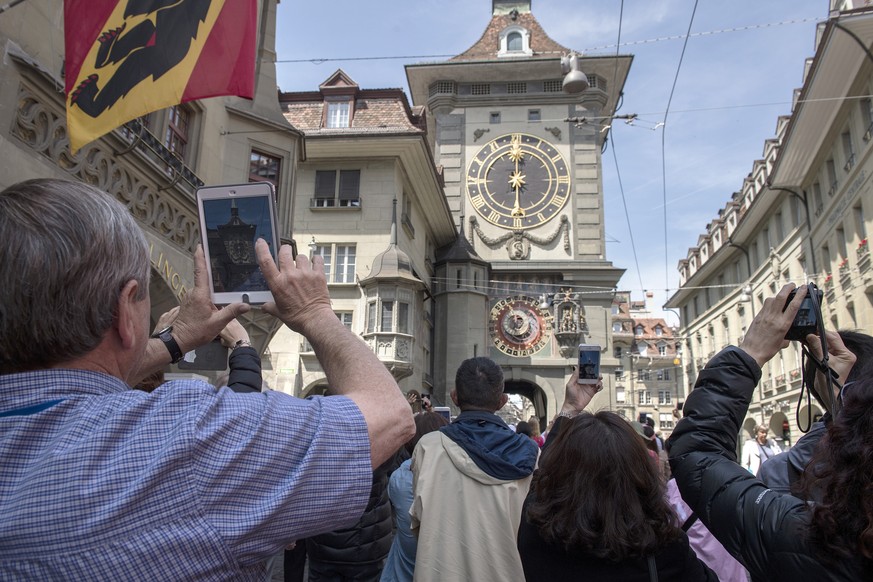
444, 411
589, 364
212, 356
232, 218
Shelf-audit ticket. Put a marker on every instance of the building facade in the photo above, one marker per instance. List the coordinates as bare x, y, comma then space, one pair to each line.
522, 178
648, 378
368, 199
802, 215
153, 164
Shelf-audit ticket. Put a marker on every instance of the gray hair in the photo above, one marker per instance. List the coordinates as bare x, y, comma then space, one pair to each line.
762, 428
68, 250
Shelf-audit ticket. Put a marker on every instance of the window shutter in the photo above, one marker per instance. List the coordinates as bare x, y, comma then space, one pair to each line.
325, 183
350, 185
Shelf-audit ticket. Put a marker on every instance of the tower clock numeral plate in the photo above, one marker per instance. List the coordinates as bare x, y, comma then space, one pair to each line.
518, 181
519, 328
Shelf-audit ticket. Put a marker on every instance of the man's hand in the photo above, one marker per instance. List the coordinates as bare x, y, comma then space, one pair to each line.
301, 298
577, 396
199, 320
766, 335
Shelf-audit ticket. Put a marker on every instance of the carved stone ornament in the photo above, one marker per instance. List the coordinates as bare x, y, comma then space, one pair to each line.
41, 127
570, 325
518, 241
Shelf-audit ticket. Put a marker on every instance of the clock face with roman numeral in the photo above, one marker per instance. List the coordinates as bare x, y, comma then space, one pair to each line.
518, 181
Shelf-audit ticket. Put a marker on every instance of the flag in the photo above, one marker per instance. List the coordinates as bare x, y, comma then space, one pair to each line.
127, 58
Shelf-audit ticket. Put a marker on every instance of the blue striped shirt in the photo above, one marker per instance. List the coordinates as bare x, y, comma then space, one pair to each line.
98, 481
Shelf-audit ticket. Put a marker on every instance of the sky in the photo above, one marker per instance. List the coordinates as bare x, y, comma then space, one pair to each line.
741, 64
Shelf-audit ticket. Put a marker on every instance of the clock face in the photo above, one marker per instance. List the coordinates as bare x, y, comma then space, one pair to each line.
519, 328
518, 181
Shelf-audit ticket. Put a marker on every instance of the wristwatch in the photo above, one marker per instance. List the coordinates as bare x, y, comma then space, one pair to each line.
166, 336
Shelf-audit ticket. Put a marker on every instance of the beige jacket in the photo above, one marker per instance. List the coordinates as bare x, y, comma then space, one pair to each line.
466, 520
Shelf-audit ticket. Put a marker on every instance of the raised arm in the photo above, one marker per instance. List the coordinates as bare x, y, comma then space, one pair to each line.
302, 302
197, 322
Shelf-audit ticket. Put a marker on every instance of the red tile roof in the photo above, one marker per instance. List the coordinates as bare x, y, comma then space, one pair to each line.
487, 47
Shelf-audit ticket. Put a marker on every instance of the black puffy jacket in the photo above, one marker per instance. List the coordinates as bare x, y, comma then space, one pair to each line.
357, 553
765, 530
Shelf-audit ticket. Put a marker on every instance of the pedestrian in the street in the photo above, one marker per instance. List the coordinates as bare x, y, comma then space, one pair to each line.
597, 508
827, 532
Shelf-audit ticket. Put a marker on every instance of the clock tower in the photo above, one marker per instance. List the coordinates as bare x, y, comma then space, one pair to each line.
522, 167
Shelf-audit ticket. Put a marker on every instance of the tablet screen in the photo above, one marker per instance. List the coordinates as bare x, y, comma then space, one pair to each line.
233, 225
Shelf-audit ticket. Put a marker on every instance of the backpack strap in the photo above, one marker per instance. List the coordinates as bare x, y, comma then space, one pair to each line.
653, 569
689, 522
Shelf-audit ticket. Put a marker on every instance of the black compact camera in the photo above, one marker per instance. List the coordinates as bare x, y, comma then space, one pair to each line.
808, 316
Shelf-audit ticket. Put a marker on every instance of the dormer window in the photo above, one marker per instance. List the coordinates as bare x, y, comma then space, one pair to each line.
338, 114
514, 42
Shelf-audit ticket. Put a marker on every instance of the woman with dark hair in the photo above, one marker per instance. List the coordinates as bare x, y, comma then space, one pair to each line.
827, 532
597, 511
400, 563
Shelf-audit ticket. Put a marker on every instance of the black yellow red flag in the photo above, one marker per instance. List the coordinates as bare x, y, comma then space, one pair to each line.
127, 58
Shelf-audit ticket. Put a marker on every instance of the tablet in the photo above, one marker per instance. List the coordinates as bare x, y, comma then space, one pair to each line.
232, 218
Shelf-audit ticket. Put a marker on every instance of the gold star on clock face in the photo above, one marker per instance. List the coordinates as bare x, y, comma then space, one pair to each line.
518, 181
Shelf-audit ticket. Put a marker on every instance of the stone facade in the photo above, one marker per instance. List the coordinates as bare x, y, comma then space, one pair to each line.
802, 215
135, 162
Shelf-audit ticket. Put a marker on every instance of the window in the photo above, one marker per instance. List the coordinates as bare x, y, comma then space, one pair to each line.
338, 114
264, 168
644, 397
643, 375
867, 118
516, 87
616, 327
841, 242
664, 374
387, 323
371, 317
619, 373
860, 226
662, 350
659, 331
514, 41
339, 262
553, 86
406, 215
337, 189
848, 150
831, 171
494, 117
816, 198
176, 138
533, 115
665, 397
619, 395
616, 352
665, 420
638, 330
388, 308
480, 89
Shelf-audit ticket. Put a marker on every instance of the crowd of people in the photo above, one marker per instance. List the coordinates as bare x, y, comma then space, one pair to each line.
183, 480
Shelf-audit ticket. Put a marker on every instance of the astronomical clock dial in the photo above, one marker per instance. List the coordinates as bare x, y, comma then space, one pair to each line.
518, 181
519, 328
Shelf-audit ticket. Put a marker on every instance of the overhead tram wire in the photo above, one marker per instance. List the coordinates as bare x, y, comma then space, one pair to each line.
615, 157
318, 61
664, 142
